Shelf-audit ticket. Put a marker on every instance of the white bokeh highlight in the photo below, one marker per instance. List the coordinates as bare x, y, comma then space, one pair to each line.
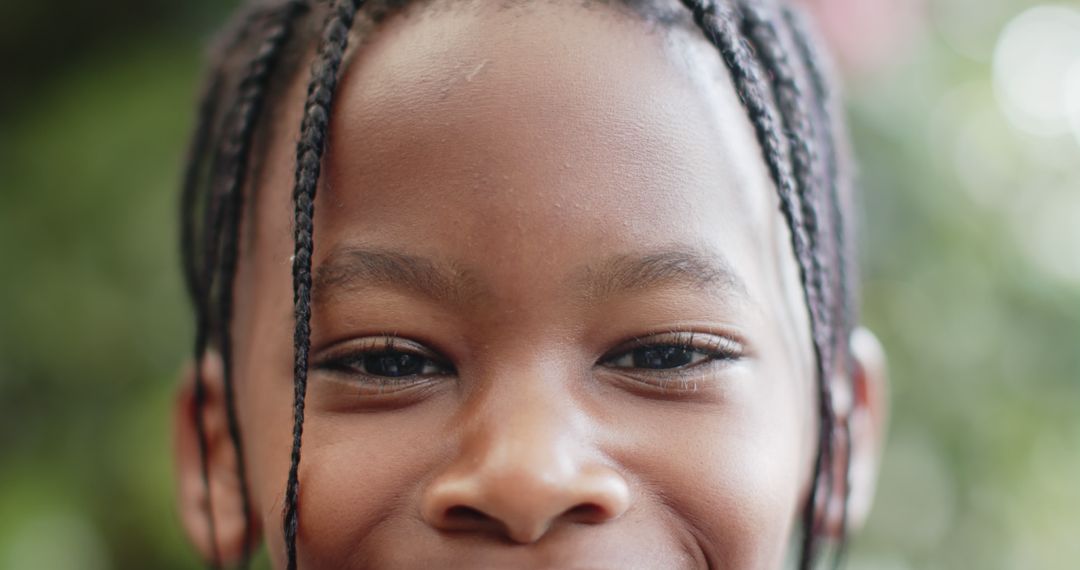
1033, 60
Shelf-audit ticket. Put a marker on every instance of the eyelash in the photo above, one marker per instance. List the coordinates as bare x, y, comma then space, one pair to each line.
353, 359
706, 350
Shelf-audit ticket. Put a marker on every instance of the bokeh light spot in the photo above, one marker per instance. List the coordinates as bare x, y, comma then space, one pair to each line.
1032, 60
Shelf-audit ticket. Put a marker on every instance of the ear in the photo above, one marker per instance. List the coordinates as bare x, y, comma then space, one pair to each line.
860, 400
210, 502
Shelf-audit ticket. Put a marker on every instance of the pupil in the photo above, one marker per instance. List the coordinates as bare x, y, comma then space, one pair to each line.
661, 357
393, 364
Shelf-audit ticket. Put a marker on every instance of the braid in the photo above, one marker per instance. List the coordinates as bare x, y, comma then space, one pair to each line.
309, 152
795, 111
845, 312
196, 280
237, 147
221, 205
717, 21
193, 173
196, 271
811, 59
795, 115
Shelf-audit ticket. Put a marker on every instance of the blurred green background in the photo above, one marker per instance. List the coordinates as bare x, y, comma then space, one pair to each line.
966, 118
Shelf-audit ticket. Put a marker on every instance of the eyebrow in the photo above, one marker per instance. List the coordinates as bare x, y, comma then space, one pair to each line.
678, 267
353, 268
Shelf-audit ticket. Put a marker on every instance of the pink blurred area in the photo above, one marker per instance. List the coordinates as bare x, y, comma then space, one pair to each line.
867, 35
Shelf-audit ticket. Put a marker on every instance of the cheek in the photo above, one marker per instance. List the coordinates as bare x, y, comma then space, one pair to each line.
362, 476
265, 408
733, 475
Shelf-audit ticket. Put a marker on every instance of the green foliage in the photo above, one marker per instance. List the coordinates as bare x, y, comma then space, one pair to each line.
94, 321
981, 470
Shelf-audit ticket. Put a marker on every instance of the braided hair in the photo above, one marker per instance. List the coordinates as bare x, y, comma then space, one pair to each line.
779, 77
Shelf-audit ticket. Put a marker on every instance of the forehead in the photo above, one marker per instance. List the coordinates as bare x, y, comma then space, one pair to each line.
531, 141
544, 105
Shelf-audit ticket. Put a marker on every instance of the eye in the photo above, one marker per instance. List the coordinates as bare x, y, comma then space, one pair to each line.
662, 357
385, 360
392, 364
672, 353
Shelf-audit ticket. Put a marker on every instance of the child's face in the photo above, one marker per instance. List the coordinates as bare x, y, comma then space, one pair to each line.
522, 199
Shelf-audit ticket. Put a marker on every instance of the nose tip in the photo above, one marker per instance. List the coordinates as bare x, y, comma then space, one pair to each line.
523, 505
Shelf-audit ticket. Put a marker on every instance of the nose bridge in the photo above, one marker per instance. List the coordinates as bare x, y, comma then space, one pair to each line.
525, 442
525, 425
524, 411
523, 463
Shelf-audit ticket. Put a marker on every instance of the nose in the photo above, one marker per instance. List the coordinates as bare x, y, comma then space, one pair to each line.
520, 477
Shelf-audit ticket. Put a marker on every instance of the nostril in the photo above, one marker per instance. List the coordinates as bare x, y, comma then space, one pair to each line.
587, 513
471, 519
465, 514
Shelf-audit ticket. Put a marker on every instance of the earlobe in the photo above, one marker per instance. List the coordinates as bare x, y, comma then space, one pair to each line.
861, 407
209, 491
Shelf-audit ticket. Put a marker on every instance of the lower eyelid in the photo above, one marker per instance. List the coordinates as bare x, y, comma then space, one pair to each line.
349, 390
703, 382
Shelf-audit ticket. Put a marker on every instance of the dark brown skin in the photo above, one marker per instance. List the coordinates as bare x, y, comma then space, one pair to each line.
517, 195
